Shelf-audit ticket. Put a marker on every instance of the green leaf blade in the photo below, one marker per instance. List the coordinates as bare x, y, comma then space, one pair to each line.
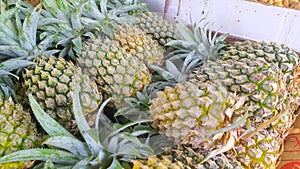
56, 156
52, 127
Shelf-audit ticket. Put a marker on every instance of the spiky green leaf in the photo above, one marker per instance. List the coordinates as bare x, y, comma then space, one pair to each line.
14, 64
75, 146
56, 156
115, 165
52, 127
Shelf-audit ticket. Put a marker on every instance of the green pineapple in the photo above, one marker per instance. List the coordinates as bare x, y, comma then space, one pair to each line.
273, 118
78, 22
134, 41
192, 158
281, 55
155, 162
106, 59
264, 79
103, 146
184, 157
157, 27
246, 56
117, 24
151, 23
51, 80
186, 110
266, 93
119, 74
18, 130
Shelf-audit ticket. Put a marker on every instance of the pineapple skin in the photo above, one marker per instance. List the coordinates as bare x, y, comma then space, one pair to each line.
52, 82
157, 27
239, 71
155, 162
185, 157
134, 41
186, 110
17, 132
265, 74
117, 72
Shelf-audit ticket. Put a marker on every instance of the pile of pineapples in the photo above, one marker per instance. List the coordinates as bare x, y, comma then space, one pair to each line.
109, 84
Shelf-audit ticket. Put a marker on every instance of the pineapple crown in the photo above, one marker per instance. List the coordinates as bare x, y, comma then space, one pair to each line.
76, 21
111, 4
195, 45
62, 19
138, 106
104, 146
19, 38
193, 48
175, 71
105, 18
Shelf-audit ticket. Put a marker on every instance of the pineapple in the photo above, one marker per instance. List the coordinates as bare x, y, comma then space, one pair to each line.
157, 27
282, 3
266, 92
184, 157
119, 74
106, 58
152, 23
262, 75
186, 110
102, 146
134, 41
51, 80
273, 118
18, 130
130, 37
155, 162
94, 20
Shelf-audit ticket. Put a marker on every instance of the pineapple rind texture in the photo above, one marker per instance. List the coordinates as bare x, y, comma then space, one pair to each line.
186, 110
157, 27
155, 162
117, 72
17, 131
134, 41
265, 72
261, 73
52, 82
187, 158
